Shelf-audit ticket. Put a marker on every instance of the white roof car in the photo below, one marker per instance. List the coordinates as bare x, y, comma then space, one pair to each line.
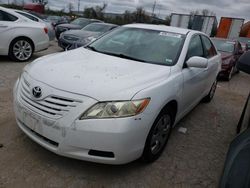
118, 98
20, 36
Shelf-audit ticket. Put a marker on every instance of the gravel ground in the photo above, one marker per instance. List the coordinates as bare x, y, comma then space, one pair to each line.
194, 159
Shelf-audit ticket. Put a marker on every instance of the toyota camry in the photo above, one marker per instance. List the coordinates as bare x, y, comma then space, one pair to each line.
117, 99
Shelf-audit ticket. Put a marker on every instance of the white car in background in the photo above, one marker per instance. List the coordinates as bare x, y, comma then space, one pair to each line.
51, 29
20, 37
117, 99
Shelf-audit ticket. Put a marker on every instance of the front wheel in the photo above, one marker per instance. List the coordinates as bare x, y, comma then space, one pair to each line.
21, 50
158, 136
211, 93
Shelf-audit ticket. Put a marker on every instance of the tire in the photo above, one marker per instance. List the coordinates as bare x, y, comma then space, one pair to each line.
21, 49
211, 93
158, 136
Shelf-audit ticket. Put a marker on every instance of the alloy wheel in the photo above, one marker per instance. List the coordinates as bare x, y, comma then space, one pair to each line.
22, 50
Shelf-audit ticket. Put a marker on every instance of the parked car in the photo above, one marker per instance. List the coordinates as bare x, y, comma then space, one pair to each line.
51, 30
118, 98
76, 38
236, 171
78, 23
230, 50
56, 20
20, 37
245, 43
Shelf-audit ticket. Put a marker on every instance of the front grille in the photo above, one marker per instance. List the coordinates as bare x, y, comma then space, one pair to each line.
52, 106
70, 38
62, 29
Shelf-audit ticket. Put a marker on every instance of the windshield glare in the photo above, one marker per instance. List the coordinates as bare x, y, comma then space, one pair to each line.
158, 47
80, 21
97, 28
223, 45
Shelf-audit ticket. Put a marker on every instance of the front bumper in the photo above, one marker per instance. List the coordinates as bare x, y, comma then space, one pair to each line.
224, 72
64, 44
110, 141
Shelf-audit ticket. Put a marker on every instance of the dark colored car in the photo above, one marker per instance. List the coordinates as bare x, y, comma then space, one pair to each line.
77, 24
245, 43
231, 51
76, 38
56, 20
236, 173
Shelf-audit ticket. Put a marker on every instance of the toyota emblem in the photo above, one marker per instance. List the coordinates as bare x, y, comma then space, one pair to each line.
37, 92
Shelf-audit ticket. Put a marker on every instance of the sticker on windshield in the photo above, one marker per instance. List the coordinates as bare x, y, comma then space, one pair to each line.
169, 61
230, 42
170, 34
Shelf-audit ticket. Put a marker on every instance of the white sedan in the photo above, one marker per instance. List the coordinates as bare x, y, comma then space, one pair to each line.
21, 37
51, 29
117, 99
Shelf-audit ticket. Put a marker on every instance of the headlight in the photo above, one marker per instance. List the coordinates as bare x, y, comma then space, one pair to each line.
115, 109
87, 40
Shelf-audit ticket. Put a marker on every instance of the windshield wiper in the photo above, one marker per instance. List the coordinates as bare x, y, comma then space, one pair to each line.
92, 48
123, 56
116, 55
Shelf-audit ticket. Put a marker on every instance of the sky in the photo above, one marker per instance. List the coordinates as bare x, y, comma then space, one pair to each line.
228, 8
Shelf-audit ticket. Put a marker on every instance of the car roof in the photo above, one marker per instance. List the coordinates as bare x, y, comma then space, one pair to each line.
13, 12
102, 23
223, 39
162, 28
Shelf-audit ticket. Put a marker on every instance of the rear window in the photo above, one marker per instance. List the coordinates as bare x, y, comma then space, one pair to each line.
28, 16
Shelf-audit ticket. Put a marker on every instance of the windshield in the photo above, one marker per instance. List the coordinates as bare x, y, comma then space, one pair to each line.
80, 21
244, 40
158, 47
102, 28
224, 46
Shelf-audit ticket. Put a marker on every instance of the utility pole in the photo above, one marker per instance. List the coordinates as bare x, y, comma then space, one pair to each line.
153, 10
78, 6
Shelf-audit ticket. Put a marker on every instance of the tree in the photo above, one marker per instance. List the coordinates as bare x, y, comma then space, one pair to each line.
96, 12
70, 7
141, 16
44, 2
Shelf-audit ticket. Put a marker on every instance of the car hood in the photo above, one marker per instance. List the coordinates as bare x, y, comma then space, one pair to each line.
70, 26
102, 77
81, 33
226, 55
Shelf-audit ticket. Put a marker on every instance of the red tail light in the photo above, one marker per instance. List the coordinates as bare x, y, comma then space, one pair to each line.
46, 30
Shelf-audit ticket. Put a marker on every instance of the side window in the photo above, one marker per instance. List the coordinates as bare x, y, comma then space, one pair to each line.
4, 16
195, 47
209, 49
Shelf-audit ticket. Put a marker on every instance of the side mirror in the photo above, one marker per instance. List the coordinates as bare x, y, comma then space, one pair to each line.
244, 62
197, 62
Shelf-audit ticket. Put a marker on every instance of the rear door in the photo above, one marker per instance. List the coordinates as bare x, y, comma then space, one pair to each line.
7, 22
